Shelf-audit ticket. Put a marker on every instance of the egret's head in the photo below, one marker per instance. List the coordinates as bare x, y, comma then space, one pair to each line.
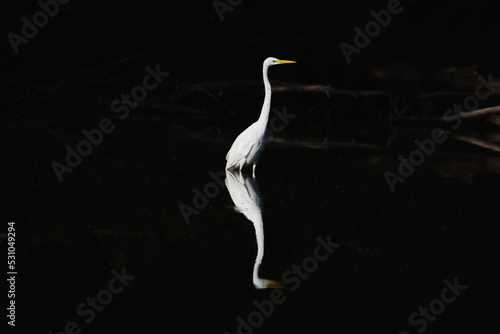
271, 61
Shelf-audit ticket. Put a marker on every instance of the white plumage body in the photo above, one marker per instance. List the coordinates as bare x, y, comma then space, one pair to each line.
248, 146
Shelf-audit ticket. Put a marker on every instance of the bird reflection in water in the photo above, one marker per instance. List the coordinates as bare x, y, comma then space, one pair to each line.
245, 193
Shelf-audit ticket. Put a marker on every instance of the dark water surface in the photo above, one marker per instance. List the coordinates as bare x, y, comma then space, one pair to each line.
127, 243
119, 210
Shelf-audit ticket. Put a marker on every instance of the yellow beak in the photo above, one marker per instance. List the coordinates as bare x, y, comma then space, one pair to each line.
285, 61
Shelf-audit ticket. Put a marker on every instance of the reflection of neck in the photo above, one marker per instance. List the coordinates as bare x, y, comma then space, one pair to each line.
259, 235
264, 114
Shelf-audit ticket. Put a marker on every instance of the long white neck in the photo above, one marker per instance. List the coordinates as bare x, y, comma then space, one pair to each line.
266, 107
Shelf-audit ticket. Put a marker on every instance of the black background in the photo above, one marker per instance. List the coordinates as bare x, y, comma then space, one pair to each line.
119, 208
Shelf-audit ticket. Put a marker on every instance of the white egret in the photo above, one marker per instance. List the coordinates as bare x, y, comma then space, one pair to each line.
248, 146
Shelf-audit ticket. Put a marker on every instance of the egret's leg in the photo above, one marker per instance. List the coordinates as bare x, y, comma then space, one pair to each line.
253, 170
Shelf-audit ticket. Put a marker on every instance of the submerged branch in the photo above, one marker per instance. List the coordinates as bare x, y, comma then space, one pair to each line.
479, 112
478, 142
286, 87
